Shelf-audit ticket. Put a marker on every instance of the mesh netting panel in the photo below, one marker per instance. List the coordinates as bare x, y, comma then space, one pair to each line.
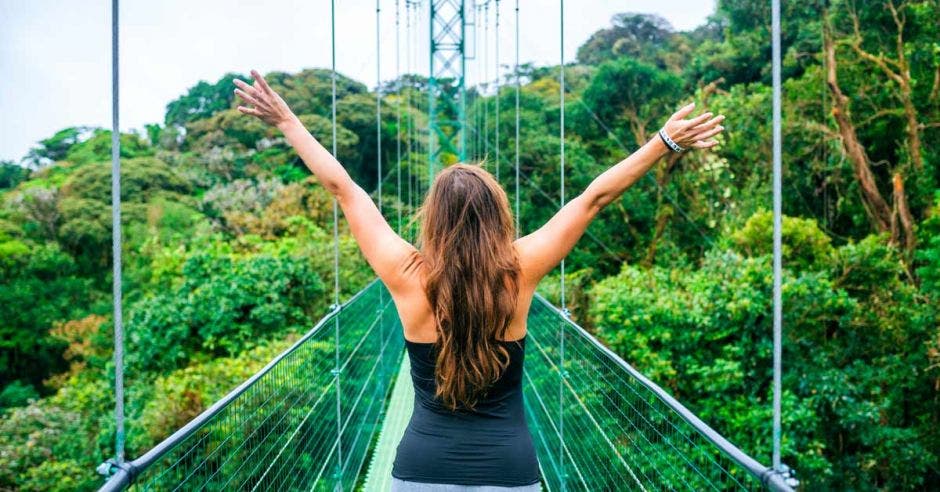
598, 427
280, 431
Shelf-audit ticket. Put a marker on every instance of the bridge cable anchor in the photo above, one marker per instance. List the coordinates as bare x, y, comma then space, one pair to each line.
111, 465
784, 476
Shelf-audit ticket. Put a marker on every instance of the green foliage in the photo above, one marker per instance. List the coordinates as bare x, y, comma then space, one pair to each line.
852, 326
640, 94
202, 100
17, 394
57, 146
84, 204
805, 247
181, 395
53, 443
98, 148
12, 174
224, 301
634, 36
40, 287
929, 253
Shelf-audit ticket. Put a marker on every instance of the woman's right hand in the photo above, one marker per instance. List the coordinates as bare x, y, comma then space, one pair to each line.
694, 133
266, 104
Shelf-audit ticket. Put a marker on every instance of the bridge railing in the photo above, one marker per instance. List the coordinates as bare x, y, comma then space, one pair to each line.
598, 424
299, 423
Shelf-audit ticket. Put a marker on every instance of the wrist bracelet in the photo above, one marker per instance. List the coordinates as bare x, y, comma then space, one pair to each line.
668, 141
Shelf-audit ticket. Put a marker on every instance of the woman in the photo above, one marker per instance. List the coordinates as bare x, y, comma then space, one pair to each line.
463, 297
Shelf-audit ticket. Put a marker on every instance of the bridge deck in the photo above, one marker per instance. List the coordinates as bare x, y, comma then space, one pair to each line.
379, 477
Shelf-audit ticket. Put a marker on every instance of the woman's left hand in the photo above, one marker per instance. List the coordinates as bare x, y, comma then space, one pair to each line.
694, 133
266, 104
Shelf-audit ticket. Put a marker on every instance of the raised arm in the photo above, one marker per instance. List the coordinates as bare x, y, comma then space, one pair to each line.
542, 250
385, 251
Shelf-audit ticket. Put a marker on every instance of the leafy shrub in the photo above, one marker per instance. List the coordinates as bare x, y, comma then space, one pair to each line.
804, 245
221, 305
853, 329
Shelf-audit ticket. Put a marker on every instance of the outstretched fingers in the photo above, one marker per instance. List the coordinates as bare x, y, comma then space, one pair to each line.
682, 112
709, 133
248, 98
698, 120
249, 89
705, 144
251, 111
709, 124
261, 83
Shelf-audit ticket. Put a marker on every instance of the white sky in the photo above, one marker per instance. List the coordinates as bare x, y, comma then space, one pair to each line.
55, 55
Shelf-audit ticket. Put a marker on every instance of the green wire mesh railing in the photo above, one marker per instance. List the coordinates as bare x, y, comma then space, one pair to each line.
299, 424
598, 424
306, 421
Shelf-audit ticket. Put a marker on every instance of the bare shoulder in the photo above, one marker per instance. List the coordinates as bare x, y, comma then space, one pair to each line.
405, 266
528, 265
411, 302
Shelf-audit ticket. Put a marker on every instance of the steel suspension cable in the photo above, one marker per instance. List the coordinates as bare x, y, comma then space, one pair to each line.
417, 144
380, 308
561, 132
481, 147
398, 112
564, 308
477, 116
116, 237
378, 103
486, 70
497, 89
777, 240
432, 102
408, 52
518, 87
336, 304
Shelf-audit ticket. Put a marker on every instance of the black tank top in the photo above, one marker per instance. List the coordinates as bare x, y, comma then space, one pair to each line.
490, 445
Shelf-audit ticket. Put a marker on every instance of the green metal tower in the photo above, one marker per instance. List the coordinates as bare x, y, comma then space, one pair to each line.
446, 94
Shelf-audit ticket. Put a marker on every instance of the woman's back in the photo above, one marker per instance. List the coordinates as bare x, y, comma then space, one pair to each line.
417, 314
488, 445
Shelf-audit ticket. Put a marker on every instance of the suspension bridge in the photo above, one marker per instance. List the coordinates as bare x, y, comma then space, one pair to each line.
327, 413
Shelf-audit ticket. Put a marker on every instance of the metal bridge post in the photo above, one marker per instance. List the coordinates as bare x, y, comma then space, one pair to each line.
446, 94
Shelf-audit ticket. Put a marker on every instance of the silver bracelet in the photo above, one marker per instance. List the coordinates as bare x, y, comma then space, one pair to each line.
668, 141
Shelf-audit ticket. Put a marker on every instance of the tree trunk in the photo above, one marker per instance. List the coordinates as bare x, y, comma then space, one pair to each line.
875, 205
904, 213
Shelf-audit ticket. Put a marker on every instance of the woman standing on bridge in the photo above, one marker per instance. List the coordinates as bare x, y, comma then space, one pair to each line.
464, 296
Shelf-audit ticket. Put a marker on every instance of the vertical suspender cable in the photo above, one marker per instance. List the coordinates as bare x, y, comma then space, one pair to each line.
398, 111
518, 84
462, 153
378, 105
418, 144
408, 51
336, 369
476, 75
561, 132
564, 308
378, 172
777, 239
486, 75
478, 116
116, 241
433, 97
497, 90
432, 103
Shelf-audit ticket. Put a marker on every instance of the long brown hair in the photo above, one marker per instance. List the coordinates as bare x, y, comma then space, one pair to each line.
473, 279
